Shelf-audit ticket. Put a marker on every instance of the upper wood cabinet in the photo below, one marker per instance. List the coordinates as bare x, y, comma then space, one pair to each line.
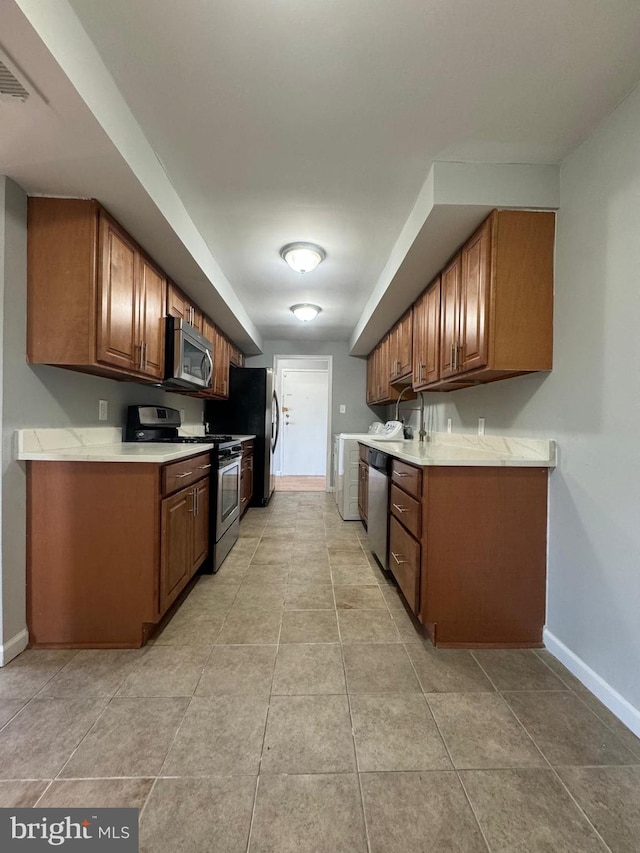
220, 377
426, 337
487, 316
236, 357
496, 309
400, 348
179, 305
379, 388
95, 302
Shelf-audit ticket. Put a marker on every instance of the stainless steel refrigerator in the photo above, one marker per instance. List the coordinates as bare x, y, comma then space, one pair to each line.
252, 409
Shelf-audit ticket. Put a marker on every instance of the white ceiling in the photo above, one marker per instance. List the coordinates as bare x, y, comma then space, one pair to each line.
277, 121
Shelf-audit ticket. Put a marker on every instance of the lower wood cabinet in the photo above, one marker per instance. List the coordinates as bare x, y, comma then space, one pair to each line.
469, 552
110, 547
404, 562
184, 539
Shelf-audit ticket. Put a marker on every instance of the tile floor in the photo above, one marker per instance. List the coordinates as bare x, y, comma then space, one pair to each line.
290, 706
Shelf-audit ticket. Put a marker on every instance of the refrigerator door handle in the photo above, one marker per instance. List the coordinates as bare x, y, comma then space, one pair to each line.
274, 441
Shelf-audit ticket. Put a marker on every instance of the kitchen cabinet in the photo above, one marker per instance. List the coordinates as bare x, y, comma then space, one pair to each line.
185, 528
363, 484
405, 526
426, 337
380, 391
179, 305
496, 308
95, 301
236, 357
221, 350
468, 549
400, 348
111, 546
246, 476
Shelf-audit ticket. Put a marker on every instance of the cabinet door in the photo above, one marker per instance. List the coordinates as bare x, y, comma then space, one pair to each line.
117, 342
474, 299
404, 562
151, 323
403, 346
176, 305
176, 545
200, 523
221, 365
426, 337
419, 323
449, 317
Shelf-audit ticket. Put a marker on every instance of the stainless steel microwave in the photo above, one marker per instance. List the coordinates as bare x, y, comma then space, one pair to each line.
189, 359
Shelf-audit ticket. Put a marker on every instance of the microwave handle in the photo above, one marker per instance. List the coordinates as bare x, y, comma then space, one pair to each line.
210, 360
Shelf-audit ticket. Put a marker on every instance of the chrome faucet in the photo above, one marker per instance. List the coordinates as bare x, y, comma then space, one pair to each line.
422, 433
398, 401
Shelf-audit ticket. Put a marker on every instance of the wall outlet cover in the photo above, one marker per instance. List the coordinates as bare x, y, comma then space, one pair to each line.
481, 422
343, 409
103, 410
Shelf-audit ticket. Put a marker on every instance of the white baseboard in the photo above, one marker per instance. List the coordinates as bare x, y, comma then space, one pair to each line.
610, 697
13, 647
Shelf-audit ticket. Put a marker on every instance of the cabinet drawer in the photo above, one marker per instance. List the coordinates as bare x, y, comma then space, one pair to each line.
404, 562
247, 448
407, 477
177, 475
406, 510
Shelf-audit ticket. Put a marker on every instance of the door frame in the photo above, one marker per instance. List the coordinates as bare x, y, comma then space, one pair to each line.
328, 367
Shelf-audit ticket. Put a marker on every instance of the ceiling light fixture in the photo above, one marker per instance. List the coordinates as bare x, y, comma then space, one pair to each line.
302, 257
305, 311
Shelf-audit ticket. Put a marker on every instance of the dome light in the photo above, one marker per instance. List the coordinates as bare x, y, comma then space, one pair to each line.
305, 312
302, 257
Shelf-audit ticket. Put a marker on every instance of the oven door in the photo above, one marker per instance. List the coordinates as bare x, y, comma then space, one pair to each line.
228, 495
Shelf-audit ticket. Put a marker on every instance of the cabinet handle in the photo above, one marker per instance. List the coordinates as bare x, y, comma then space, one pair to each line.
195, 501
204, 467
401, 508
180, 476
453, 357
144, 346
141, 364
399, 562
400, 474
459, 349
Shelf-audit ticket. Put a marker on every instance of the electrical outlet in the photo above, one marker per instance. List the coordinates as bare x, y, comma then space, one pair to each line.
481, 426
449, 424
343, 409
103, 410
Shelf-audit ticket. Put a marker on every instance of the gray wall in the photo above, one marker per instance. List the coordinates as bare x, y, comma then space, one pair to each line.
41, 396
348, 381
590, 403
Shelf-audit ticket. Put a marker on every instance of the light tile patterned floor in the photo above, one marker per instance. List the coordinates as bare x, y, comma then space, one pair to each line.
291, 705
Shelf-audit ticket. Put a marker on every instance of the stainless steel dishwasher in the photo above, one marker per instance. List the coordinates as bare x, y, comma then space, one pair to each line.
378, 509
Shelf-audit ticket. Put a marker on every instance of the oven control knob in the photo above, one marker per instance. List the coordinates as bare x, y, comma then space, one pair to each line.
140, 434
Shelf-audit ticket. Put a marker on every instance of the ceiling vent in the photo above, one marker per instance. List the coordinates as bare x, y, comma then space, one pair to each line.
11, 88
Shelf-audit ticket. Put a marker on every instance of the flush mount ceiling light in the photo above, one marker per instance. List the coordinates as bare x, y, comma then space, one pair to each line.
302, 257
306, 312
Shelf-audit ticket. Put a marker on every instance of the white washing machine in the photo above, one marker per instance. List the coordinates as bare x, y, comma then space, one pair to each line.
346, 462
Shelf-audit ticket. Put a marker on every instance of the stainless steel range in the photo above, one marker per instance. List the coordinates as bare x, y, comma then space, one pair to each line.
161, 424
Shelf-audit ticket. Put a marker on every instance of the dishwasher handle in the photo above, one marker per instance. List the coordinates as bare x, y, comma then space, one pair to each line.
379, 460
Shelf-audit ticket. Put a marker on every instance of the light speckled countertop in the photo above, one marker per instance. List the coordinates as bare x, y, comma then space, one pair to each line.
471, 450
101, 444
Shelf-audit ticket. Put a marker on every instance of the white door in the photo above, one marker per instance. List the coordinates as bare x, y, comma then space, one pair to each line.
304, 421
